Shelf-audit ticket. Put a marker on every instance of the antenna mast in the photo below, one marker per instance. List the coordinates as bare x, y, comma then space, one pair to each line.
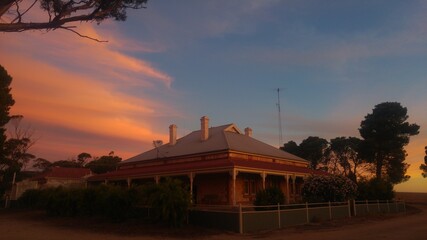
279, 118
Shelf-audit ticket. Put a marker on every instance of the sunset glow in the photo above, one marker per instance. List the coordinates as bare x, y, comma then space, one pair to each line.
175, 62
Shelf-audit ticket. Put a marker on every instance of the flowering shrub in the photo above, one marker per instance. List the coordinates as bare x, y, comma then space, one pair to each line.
332, 188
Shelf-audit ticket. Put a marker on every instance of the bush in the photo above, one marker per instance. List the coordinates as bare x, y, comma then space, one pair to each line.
375, 189
170, 201
320, 188
30, 199
269, 196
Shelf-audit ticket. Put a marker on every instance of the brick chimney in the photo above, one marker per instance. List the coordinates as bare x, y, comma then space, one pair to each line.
172, 134
204, 122
248, 132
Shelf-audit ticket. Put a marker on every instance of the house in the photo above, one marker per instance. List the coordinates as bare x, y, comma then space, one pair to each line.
53, 177
222, 165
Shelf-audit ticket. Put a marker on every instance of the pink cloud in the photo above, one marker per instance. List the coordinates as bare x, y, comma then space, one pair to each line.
72, 83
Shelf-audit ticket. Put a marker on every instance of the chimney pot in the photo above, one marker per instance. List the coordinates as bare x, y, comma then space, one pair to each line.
204, 122
248, 132
172, 134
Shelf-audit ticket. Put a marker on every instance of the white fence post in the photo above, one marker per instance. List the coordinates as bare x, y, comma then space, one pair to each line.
388, 206
306, 208
404, 207
349, 208
367, 206
330, 211
278, 214
354, 207
379, 209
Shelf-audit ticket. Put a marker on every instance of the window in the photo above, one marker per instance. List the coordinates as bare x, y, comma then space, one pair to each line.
250, 187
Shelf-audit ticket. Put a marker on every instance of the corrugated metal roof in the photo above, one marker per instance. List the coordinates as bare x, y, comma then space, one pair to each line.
200, 166
65, 173
226, 137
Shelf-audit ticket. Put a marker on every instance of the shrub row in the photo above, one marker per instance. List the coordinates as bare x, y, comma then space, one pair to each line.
169, 201
111, 202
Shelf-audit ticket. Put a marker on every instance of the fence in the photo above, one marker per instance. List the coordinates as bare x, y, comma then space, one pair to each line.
246, 219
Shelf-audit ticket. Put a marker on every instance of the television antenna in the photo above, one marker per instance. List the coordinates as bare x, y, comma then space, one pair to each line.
157, 144
279, 117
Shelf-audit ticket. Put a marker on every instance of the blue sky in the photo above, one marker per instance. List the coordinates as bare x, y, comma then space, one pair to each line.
179, 60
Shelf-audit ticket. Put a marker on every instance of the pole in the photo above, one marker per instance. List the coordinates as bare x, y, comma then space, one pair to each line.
280, 118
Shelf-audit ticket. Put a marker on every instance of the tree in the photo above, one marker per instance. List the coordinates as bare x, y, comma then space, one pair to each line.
423, 167
19, 143
61, 13
104, 164
385, 133
6, 102
291, 147
42, 164
312, 149
82, 158
344, 156
66, 164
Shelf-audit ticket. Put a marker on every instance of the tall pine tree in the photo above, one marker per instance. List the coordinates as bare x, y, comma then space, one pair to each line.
385, 133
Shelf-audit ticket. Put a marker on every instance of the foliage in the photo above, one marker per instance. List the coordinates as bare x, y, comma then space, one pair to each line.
423, 167
60, 13
7, 168
41, 164
82, 158
291, 147
111, 202
375, 189
343, 156
170, 200
269, 196
324, 188
65, 163
104, 164
312, 149
385, 132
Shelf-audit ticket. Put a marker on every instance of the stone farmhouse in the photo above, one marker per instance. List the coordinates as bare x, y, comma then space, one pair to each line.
54, 177
221, 165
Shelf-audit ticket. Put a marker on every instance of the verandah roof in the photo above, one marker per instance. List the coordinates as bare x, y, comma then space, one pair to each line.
203, 166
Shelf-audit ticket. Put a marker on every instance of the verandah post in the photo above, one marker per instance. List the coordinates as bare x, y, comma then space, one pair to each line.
240, 219
278, 214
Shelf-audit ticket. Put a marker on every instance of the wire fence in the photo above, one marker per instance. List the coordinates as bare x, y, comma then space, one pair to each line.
251, 218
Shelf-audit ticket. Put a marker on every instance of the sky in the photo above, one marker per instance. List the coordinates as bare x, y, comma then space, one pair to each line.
177, 61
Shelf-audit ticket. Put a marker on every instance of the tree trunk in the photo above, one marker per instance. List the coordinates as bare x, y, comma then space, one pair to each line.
379, 166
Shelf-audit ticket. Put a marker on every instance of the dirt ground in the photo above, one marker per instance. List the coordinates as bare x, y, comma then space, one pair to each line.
35, 225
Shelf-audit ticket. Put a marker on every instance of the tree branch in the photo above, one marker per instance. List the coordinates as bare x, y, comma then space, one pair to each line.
81, 35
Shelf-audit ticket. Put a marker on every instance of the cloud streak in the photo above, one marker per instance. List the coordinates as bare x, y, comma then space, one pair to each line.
72, 83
